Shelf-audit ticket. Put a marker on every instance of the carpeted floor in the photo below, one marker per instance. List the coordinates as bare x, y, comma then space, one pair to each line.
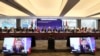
59, 44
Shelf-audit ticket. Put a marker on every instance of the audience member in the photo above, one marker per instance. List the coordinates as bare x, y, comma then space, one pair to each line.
49, 30
55, 30
12, 30
82, 30
30, 29
18, 29
5, 29
43, 30
24, 30
89, 30
94, 30
37, 30
0, 29
78, 30
85, 29
60, 30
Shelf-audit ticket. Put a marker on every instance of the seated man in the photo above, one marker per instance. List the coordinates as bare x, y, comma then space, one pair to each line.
0, 29
43, 30
12, 30
5, 29
55, 30
18, 29
49, 30
30, 29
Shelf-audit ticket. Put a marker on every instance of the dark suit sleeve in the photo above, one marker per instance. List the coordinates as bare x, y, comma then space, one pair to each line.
16, 51
72, 48
85, 50
81, 48
88, 46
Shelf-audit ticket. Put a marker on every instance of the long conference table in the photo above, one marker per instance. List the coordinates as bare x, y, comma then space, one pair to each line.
47, 35
60, 36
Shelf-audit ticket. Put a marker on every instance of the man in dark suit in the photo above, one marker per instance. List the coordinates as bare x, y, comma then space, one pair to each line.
18, 47
84, 46
43, 30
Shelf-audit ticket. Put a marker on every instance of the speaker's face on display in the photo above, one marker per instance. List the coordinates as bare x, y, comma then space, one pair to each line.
18, 44
84, 42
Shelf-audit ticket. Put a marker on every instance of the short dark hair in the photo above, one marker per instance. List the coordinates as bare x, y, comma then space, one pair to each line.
18, 39
83, 39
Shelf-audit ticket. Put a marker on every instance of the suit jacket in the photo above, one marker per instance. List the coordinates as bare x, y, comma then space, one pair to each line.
18, 50
84, 50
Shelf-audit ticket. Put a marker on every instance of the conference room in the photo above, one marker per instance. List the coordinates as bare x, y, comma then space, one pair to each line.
49, 28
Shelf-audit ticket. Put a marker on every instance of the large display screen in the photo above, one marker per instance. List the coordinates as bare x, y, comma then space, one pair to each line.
82, 44
17, 45
41, 23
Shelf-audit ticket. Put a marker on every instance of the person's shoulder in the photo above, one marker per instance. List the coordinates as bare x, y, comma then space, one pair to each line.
88, 45
80, 45
22, 47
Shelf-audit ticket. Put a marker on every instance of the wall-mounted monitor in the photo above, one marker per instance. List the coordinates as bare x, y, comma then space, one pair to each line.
82, 44
17, 45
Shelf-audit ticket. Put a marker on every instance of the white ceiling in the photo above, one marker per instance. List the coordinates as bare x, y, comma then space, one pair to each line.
85, 8
10, 11
52, 8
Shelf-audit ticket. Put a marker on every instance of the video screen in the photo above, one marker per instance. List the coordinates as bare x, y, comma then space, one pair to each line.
52, 23
82, 44
17, 45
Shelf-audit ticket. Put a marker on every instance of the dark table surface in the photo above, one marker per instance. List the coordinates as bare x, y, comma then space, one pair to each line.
47, 35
